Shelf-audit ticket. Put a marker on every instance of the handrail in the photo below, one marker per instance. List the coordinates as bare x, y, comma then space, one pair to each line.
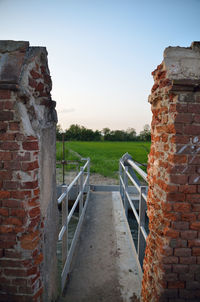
84, 187
127, 166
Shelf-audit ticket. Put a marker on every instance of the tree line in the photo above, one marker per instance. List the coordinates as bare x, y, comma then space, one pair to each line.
80, 133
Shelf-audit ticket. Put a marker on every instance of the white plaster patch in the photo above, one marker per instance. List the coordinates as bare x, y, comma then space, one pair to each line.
25, 120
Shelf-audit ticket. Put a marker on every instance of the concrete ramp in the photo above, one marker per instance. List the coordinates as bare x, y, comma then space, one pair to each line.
104, 267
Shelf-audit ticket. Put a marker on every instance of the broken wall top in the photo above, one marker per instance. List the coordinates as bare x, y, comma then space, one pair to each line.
183, 62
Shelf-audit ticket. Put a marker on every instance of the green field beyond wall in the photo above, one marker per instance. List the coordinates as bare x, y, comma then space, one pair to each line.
104, 155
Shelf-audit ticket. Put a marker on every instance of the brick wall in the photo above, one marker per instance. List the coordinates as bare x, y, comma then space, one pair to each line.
26, 109
172, 259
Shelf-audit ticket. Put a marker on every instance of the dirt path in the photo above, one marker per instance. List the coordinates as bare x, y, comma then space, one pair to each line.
95, 179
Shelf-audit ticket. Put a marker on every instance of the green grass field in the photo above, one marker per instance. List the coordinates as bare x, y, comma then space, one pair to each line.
104, 155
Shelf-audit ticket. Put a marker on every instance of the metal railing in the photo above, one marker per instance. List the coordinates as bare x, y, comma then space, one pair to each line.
127, 175
84, 187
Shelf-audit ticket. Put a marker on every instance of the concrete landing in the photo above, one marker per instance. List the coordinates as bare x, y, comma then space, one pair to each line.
103, 268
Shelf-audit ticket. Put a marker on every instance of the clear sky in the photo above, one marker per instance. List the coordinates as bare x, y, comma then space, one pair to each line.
102, 52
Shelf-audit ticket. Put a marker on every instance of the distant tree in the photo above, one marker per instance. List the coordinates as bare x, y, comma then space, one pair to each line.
131, 134
106, 133
80, 133
58, 132
145, 134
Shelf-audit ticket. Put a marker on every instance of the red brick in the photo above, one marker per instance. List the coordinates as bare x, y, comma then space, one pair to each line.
177, 284
180, 268
180, 139
29, 241
180, 225
14, 126
16, 272
194, 242
20, 194
175, 196
3, 126
170, 293
189, 217
18, 212
6, 229
12, 254
191, 284
33, 202
7, 136
187, 294
32, 82
171, 233
30, 166
40, 87
32, 271
193, 198
194, 108
197, 118
195, 225
7, 244
178, 243
38, 259
11, 203
182, 169
25, 289
11, 263
188, 260
4, 280
35, 75
170, 260
34, 212
4, 212
196, 251
185, 118
38, 294
19, 281
12, 165
183, 252
189, 234
21, 157
171, 277
188, 188
179, 179
30, 145
12, 221
5, 175
9, 146
11, 185
5, 94
5, 155
29, 185
9, 105
196, 207
182, 207
6, 115
4, 194
192, 129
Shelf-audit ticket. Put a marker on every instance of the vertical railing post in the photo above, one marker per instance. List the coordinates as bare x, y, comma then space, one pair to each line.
88, 174
65, 236
141, 240
81, 190
125, 190
63, 160
120, 174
